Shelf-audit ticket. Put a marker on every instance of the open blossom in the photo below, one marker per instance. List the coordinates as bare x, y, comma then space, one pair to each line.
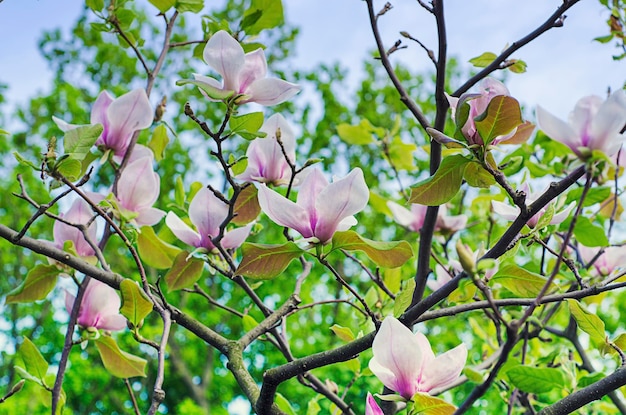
99, 308
611, 259
206, 212
512, 212
242, 73
594, 124
120, 117
321, 208
404, 361
371, 407
414, 219
137, 190
266, 161
79, 213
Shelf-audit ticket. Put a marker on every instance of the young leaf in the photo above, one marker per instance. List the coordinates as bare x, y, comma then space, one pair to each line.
154, 251
589, 234
588, 322
477, 176
248, 322
517, 66
265, 262
211, 91
23, 160
159, 141
401, 154
344, 333
247, 206
271, 15
384, 254
69, 168
34, 363
519, 281
503, 114
360, 134
443, 185
284, 404
246, 123
38, 284
135, 304
424, 404
117, 362
403, 299
185, 271
78, 141
536, 380
194, 6
483, 60
163, 5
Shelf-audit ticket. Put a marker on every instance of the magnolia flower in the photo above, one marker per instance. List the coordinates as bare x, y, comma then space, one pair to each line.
487, 89
243, 73
137, 190
321, 208
99, 308
443, 275
206, 212
512, 212
371, 407
593, 125
404, 361
414, 219
611, 259
79, 213
266, 161
120, 117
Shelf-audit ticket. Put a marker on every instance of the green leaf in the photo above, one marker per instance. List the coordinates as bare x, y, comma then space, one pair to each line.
4, 132
247, 206
95, 5
589, 234
194, 6
443, 185
163, 5
588, 322
69, 168
360, 134
271, 16
401, 154
117, 362
265, 262
284, 404
477, 176
37, 285
546, 218
185, 271
135, 303
594, 195
404, 298
211, 91
519, 281
159, 141
483, 60
425, 404
604, 39
313, 407
517, 66
153, 250
248, 322
34, 363
344, 333
246, 125
23, 160
503, 114
385, 254
536, 380
78, 141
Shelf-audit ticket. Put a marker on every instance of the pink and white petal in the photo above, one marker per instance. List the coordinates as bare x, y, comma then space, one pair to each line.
608, 122
255, 67
311, 187
270, 91
140, 151
371, 406
284, 212
113, 322
149, 217
287, 136
138, 187
235, 237
224, 54
582, 117
444, 369
181, 230
64, 126
557, 129
401, 215
505, 211
207, 212
338, 200
346, 223
129, 113
396, 352
563, 214
69, 301
100, 107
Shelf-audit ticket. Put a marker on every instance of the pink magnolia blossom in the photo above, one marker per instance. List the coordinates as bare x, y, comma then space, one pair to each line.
206, 212
266, 161
371, 407
137, 190
404, 361
414, 219
99, 308
321, 208
120, 117
512, 212
443, 275
488, 88
79, 213
243, 73
611, 259
594, 124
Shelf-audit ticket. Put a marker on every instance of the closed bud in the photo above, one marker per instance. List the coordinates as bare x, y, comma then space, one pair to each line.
466, 258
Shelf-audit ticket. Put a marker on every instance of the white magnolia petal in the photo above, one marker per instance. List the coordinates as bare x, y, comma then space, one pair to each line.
64, 126
502, 209
255, 67
557, 129
207, 213
113, 322
149, 217
401, 215
129, 113
99, 109
139, 186
235, 237
270, 91
277, 122
284, 212
444, 369
312, 186
563, 214
181, 230
608, 122
224, 54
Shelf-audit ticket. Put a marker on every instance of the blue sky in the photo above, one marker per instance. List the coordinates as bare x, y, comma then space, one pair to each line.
562, 66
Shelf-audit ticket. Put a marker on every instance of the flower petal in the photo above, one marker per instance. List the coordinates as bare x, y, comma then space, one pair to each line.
371, 407
502, 209
557, 129
224, 54
149, 216
139, 186
129, 113
284, 212
608, 122
270, 91
235, 237
401, 215
255, 67
182, 231
207, 213
444, 369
